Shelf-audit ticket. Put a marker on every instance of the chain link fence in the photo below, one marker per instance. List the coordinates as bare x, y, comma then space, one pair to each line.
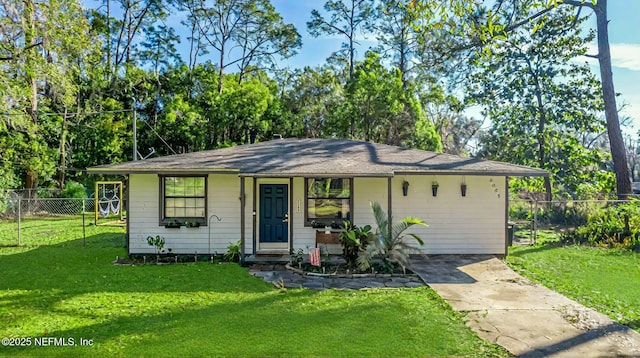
26, 221
544, 221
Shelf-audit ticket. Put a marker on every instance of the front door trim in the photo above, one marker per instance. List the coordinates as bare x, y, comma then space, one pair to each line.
273, 216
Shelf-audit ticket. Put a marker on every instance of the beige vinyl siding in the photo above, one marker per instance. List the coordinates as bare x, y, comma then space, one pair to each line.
367, 190
474, 224
223, 200
471, 224
303, 237
248, 216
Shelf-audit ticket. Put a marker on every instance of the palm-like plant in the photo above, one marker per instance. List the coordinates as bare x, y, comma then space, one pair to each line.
388, 242
354, 240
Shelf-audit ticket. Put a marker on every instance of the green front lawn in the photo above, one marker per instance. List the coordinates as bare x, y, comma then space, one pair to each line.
604, 279
66, 290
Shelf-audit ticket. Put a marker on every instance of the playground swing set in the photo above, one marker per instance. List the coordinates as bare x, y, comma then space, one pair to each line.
108, 203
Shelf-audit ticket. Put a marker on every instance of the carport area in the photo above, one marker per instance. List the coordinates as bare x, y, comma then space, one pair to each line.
526, 318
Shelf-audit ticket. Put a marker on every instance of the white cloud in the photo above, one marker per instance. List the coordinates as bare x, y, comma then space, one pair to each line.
626, 56
623, 55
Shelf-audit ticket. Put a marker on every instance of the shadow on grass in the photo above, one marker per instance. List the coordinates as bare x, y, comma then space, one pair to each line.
291, 323
73, 267
10, 245
41, 278
70, 291
633, 324
534, 249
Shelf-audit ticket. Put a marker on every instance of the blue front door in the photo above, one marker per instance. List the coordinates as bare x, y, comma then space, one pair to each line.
274, 213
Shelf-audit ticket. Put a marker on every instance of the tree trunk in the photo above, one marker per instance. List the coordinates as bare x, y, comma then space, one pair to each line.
108, 71
616, 142
221, 69
63, 152
351, 39
30, 38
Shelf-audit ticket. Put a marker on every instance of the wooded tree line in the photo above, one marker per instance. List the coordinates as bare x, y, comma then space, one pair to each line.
73, 79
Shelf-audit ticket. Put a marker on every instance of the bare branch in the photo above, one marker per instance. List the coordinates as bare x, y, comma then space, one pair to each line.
532, 17
579, 3
10, 58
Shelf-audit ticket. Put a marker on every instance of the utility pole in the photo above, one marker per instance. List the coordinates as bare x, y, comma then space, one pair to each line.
135, 131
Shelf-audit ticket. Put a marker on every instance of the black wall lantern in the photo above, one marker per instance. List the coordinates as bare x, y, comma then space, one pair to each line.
434, 188
405, 188
463, 187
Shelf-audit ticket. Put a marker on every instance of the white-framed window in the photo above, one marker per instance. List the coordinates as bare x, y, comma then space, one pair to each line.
328, 201
183, 198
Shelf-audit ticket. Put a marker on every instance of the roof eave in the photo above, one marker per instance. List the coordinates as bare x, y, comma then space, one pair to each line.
124, 171
315, 175
536, 173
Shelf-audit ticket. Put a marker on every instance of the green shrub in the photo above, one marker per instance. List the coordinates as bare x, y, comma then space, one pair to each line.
233, 252
520, 211
615, 226
73, 189
562, 213
354, 240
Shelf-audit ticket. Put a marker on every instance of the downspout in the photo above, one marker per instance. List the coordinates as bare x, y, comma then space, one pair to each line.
242, 221
506, 216
290, 211
127, 234
389, 206
253, 214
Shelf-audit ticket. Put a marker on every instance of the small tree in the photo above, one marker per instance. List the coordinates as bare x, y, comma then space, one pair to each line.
388, 242
158, 243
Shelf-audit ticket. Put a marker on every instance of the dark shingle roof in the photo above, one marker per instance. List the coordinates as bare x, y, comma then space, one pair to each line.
318, 157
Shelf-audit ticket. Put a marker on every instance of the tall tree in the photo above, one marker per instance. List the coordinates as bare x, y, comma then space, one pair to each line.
347, 17
502, 18
540, 101
42, 48
396, 28
245, 33
126, 32
378, 108
311, 98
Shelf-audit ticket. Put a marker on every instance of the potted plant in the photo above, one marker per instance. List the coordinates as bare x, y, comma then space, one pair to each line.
172, 224
434, 188
191, 223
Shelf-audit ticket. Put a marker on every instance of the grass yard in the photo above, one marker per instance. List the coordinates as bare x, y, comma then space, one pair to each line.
604, 279
66, 290
544, 235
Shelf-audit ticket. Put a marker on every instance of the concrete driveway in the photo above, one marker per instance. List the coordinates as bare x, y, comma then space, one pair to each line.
527, 319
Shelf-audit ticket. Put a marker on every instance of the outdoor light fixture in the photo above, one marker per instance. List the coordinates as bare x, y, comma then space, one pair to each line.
463, 187
405, 187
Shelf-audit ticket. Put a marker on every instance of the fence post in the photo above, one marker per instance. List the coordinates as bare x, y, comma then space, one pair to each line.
535, 221
19, 218
84, 234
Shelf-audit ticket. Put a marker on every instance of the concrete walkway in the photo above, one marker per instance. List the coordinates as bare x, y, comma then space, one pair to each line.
527, 319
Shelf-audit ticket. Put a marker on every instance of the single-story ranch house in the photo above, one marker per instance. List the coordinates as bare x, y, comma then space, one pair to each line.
279, 195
